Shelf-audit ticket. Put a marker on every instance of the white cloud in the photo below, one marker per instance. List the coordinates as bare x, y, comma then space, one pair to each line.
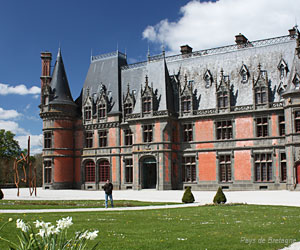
8, 114
36, 143
210, 24
13, 127
21, 89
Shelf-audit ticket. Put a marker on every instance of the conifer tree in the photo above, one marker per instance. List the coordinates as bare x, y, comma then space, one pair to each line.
188, 196
220, 197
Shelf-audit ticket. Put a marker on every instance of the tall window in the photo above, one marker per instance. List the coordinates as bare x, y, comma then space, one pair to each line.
263, 167
104, 171
147, 107
90, 171
222, 99
207, 80
188, 169
261, 95
101, 110
47, 139
283, 167
186, 102
225, 168
187, 132
297, 121
147, 133
282, 71
102, 138
262, 127
281, 124
128, 108
89, 139
48, 171
88, 113
224, 130
128, 171
128, 137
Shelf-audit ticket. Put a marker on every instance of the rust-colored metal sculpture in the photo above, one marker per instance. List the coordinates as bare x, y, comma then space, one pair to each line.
24, 163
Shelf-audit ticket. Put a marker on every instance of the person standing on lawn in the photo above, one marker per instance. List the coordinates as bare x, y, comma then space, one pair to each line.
108, 188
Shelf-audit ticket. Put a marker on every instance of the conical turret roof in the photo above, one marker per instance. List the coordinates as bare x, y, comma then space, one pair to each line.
59, 84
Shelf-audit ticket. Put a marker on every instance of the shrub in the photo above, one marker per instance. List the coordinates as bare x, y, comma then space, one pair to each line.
1, 194
188, 197
220, 197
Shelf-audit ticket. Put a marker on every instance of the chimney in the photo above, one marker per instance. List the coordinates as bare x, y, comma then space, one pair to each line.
46, 69
293, 32
241, 40
185, 49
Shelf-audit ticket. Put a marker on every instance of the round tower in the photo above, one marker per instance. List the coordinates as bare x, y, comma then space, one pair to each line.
59, 113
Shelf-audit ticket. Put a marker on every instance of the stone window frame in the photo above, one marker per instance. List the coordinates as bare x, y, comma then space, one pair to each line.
128, 162
189, 171
281, 125
297, 120
283, 167
104, 170
282, 68
263, 161
128, 137
262, 126
186, 103
128, 108
223, 99
148, 133
48, 170
261, 95
224, 127
188, 132
244, 73
102, 138
101, 110
90, 171
87, 113
223, 162
48, 139
89, 139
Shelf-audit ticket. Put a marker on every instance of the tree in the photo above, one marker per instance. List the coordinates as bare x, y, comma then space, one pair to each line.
9, 149
220, 197
188, 196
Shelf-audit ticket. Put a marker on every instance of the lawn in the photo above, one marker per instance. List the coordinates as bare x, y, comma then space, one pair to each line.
204, 227
56, 204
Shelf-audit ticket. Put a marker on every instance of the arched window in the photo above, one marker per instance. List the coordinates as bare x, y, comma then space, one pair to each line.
90, 171
104, 171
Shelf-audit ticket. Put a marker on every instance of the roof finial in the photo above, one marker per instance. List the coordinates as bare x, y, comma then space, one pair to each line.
163, 50
117, 46
59, 52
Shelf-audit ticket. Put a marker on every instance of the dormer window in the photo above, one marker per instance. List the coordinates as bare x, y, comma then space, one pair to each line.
186, 102
261, 95
101, 111
147, 107
296, 81
207, 79
88, 113
147, 98
222, 99
244, 73
223, 92
128, 107
283, 68
261, 89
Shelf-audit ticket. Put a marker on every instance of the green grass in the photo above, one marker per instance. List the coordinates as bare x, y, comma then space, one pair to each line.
50, 204
204, 227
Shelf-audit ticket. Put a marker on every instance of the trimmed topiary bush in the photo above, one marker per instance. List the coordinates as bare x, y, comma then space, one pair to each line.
1, 194
188, 197
220, 197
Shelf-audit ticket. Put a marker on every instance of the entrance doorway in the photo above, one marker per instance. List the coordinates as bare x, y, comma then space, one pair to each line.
149, 173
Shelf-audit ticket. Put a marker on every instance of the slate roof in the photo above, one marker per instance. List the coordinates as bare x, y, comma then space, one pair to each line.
61, 93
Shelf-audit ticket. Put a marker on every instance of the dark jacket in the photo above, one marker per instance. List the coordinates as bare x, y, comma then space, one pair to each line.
108, 188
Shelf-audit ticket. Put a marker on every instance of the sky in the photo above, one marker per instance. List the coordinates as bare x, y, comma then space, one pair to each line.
84, 28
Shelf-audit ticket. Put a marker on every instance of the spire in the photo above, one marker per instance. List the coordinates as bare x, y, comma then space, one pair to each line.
59, 83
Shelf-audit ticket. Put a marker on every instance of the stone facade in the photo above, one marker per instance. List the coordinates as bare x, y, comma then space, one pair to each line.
228, 116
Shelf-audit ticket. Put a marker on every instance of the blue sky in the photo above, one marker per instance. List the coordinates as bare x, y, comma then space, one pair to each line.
79, 27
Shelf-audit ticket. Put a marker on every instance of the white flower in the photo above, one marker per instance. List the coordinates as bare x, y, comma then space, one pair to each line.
22, 225
64, 223
41, 233
38, 223
92, 235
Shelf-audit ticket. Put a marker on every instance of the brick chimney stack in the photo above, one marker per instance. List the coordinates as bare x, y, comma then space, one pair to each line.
241, 40
46, 68
185, 49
